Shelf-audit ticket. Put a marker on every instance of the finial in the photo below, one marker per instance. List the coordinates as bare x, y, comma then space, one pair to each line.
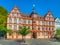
33, 8
33, 5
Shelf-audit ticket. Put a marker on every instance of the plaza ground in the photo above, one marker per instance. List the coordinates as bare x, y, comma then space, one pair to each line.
31, 42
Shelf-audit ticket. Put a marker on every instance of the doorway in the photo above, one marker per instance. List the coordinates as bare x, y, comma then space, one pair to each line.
34, 35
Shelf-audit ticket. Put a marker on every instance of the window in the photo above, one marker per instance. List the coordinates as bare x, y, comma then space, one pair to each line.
47, 23
25, 21
20, 27
14, 10
14, 33
28, 21
47, 18
42, 23
20, 20
38, 22
10, 26
15, 27
42, 28
50, 23
33, 21
17, 15
10, 20
12, 14
38, 28
15, 20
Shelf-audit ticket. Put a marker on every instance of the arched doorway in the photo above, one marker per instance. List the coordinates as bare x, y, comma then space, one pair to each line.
34, 35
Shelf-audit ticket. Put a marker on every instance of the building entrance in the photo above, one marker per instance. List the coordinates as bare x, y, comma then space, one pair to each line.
34, 35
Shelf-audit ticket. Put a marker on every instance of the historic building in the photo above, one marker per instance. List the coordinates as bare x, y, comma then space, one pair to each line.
41, 27
57, 23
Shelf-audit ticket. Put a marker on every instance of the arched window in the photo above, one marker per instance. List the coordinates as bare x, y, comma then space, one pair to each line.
39, 22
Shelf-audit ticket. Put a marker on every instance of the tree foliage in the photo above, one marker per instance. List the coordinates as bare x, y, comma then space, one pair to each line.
3, 31
57, 35
3, 11
3, 16
24, 31
58, 31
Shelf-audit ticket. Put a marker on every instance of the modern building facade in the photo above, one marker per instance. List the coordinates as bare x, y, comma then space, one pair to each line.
57, 23
41, 27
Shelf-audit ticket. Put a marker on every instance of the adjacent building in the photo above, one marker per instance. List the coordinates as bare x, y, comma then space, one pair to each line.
41, 27
57, 23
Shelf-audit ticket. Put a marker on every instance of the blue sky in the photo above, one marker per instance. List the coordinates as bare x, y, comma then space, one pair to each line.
41, 6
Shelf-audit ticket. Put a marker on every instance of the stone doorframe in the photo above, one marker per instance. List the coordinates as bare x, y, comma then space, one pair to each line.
32, 34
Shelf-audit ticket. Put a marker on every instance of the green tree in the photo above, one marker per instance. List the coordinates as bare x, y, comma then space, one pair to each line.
3, 16
9, 31
24, 31
4, 31
3, 11
57, 35
3, 20
58, 31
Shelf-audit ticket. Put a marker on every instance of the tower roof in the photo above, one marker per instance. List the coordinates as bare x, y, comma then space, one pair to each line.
33, 11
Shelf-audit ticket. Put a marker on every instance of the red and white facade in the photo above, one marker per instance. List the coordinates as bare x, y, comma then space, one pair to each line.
41, 27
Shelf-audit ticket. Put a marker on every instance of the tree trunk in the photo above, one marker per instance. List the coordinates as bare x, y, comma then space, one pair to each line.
22, 37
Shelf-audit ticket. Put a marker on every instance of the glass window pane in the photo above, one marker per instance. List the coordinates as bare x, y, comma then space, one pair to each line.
15, 20
10, 20
15, 27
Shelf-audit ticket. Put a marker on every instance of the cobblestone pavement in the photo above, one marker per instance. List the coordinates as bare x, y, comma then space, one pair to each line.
30, 42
